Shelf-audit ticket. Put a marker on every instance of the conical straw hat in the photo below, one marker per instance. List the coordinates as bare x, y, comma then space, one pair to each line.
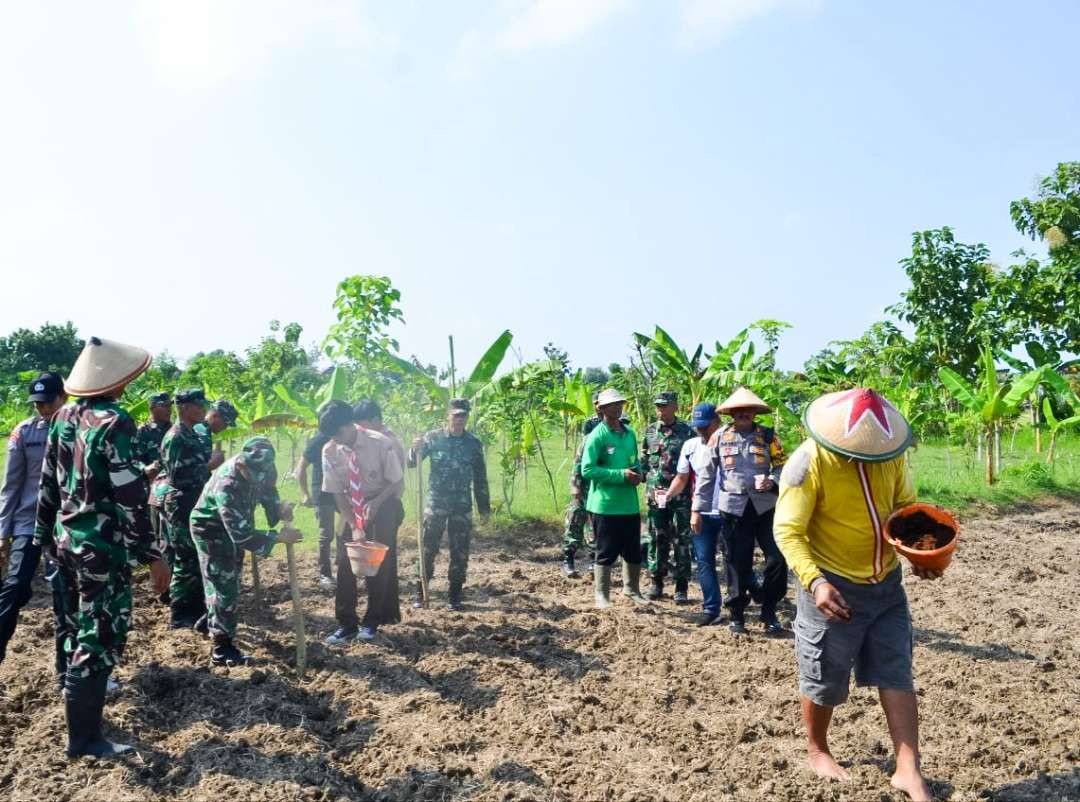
744, 399
105, 366
859, 424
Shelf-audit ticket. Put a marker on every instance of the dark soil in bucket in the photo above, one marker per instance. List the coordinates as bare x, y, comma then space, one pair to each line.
920, 531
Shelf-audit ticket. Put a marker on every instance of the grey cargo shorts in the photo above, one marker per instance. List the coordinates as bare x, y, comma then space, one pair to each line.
876, 642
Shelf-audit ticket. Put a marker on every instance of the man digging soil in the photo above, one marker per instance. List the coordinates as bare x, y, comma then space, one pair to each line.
836, 492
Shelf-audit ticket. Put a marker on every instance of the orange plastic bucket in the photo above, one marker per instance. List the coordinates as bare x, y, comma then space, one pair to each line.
929, 524
365, 556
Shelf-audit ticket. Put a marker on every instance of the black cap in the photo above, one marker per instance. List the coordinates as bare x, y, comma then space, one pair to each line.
193, 396
160, 399
459, 406
666, 397
226, 410
46, 387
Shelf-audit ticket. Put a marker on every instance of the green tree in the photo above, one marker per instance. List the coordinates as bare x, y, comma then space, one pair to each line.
51, 347
948, 302
1044, 297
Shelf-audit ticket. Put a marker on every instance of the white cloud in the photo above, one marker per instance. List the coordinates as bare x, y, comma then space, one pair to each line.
529, 25
709, 20
194, 44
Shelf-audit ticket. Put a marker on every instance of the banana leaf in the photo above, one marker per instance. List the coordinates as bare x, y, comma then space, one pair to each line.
959, 389
488, 364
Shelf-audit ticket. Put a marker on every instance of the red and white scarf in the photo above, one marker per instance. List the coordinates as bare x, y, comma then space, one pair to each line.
356, 496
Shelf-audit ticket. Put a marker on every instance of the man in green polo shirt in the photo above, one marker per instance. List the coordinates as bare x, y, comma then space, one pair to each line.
610, 463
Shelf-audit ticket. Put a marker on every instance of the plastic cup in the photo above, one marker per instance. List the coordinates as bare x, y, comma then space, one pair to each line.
661, 498
759, 480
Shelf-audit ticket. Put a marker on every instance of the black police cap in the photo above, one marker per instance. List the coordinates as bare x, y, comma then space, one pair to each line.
46, 387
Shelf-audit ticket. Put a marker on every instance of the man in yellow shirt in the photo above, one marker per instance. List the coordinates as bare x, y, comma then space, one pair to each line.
836, 492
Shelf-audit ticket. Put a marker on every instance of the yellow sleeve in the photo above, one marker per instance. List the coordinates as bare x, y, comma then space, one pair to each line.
904, 488
794, 508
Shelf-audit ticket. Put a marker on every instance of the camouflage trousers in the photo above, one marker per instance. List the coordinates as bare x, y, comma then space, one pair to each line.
94, 581
186, 587
669, 530
576, 520
458, 527
219, 566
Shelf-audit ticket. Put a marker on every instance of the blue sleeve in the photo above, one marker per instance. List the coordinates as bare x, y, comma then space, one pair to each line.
14, 476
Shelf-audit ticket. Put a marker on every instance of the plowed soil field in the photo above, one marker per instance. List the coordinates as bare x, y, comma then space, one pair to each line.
530, 694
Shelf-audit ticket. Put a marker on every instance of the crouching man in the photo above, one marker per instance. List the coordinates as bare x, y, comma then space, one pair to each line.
223, 523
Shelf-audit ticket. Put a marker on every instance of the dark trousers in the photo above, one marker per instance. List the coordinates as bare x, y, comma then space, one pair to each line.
617, 536
740, 534
16, 589
324, 514
705, 553
382, 589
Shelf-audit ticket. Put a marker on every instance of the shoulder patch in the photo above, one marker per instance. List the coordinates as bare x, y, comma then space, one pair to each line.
796, 468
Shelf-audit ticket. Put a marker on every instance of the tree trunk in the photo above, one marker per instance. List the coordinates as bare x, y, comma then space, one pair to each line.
1035, 425
989, 435
997, 448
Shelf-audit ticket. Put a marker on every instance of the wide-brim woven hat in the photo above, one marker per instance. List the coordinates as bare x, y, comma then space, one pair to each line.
609, 396
105, 366
859, 424
744, 398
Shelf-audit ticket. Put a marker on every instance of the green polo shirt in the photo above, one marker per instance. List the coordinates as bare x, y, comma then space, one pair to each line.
606, 455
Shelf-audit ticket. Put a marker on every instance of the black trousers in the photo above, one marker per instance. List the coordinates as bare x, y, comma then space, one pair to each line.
324, 514
740, 535
383, 603
617, 536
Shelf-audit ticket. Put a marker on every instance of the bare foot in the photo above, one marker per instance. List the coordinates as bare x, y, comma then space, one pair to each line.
911, 782
824, 766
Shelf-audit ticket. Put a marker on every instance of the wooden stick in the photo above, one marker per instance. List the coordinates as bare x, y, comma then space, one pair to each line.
420, 527
255, 584
298, 613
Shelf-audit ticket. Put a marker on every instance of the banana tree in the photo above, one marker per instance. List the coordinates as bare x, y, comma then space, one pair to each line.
1040, 357
673, 364
990, 401
1057, 383
481, 375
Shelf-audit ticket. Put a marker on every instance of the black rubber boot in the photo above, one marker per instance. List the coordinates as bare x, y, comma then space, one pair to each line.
656, 590
454, 597
226, 654
182, 616
418, 597
590, 564
202, 626
681, 587
84, 700
568, 569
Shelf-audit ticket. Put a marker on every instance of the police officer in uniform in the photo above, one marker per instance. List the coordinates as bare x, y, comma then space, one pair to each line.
740, 480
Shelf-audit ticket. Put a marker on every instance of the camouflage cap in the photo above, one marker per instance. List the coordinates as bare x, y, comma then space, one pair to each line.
195, 395
258, 452
160, 399
458, 406
665, 398
226, 410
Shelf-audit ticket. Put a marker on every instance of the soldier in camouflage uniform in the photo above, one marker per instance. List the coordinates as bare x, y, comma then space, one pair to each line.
458, 471
669, 520
148, 449
185, 457
222, 523
576, 516
92, 488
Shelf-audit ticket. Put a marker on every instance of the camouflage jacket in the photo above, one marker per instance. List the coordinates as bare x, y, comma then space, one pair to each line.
576, 482
660, 449
90, 482
147, 447
185, 457
457, 467
226, 509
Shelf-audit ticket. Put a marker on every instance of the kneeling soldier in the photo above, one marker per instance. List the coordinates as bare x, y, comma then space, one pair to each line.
222, 523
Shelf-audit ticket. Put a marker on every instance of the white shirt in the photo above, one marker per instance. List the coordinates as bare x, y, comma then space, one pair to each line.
692, 457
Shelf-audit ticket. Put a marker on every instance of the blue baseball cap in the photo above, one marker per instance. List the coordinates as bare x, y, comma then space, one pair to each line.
703, 415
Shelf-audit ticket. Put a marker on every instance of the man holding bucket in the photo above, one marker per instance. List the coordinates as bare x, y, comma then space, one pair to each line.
836, 492
363, 471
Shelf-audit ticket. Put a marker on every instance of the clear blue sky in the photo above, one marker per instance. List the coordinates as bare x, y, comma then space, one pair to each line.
178, 174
